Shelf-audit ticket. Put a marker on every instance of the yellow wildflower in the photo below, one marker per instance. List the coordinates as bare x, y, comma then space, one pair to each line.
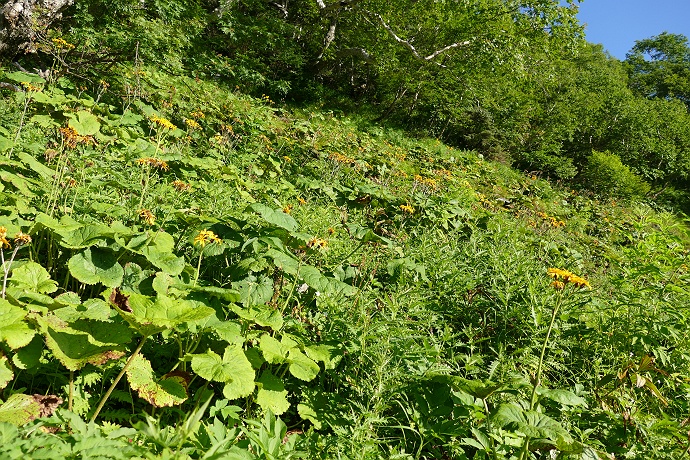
181, 186
407, 208
3, 238
22, 239
558, 285
197, 114
316, 243
61, 44
147, 216
192, 124
31, 88
567, 277
288, 209
206, 236
287, 159
154, 162
301, 201
163, 122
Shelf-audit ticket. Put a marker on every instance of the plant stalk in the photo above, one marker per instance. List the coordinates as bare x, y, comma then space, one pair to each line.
117, 379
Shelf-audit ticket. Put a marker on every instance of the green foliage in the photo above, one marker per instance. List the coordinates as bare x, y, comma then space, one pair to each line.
201, 261
606, 174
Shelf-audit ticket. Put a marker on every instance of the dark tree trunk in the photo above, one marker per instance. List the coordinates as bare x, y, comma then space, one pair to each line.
24, 22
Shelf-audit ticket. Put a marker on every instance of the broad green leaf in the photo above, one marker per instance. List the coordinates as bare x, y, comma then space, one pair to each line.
13, 329
329, 355
6, 373
85, 123
164, 392
158, 249
36, 166
233, 369
95, 265
324, 284
34, 278
263, 315
254, 291
272, 394
23, 77
29, 357
227, 295
84, 341
20, 409
301, 366
275, 216
273, 351
230, 332
531, 423
150, 315
565, 397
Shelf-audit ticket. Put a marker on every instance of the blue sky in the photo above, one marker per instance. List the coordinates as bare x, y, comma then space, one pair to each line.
618, 23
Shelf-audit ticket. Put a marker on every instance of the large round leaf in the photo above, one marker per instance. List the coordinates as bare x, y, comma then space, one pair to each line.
234, 369
94, 265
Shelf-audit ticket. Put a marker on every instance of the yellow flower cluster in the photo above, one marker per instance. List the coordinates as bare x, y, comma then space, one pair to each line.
340, 158
61, 44
147, 216
31, 88
562, 277
407, 208
197, 114
192, 124
154, 162
288, 209
205, 237
163, 122
71, 137
424, 181
554, 221
181, 186
317, 243
20, 239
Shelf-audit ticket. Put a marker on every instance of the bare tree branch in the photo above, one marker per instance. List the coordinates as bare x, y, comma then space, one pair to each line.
411, 47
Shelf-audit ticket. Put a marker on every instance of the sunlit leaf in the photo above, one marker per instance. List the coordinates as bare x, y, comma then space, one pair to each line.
272, 394
13, 329
170, 390
94, 265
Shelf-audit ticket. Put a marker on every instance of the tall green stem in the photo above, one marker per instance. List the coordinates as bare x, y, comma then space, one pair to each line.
537, 379
117, 379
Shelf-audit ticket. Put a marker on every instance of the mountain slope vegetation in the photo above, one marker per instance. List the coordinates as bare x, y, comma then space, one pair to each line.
193, 270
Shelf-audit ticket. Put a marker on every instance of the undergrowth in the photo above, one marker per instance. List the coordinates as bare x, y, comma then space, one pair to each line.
194, 273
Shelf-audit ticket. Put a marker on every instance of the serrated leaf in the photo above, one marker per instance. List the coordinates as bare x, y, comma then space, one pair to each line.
84, 341
301, 366
150, 315
230, 332
275, 216
272, 394
272, 350
164, 392
233, 369
13, 329
94, 265
6, 373
34, 278
565, 397
531, 423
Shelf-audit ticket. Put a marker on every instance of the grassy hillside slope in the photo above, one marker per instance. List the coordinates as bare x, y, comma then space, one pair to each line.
203, 274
